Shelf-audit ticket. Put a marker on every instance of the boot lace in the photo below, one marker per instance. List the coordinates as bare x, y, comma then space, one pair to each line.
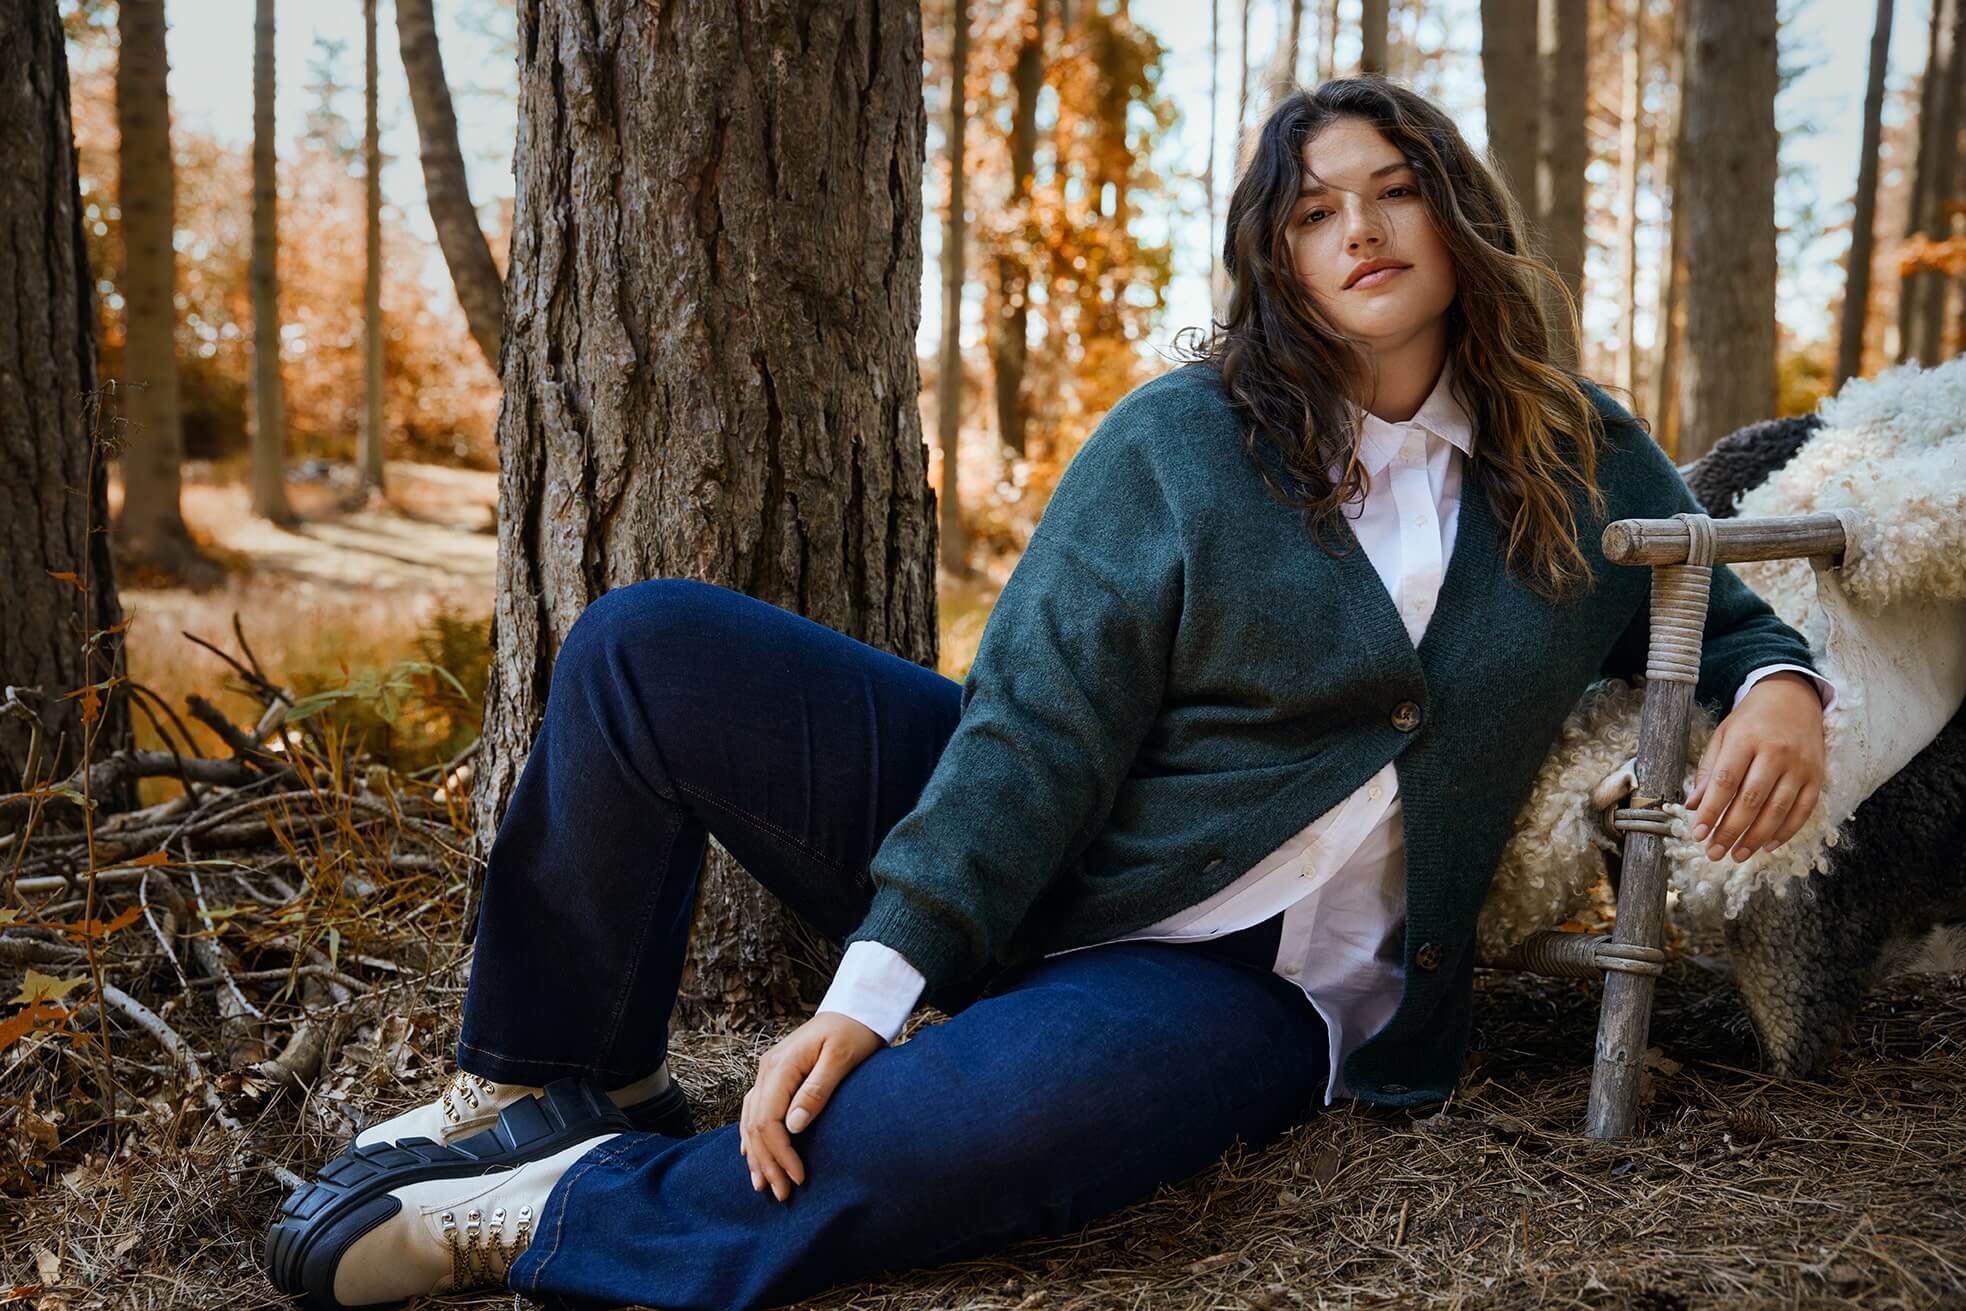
462, 1094
480, 1253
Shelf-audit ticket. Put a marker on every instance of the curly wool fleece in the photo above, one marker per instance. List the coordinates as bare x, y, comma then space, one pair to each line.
1893, 447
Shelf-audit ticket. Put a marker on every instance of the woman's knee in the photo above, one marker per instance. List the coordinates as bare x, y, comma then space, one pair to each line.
642, 620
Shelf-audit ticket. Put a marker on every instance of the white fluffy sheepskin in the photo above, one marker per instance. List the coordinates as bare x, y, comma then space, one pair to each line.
1893, 447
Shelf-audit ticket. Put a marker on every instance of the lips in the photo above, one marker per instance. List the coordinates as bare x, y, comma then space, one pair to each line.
1376, 273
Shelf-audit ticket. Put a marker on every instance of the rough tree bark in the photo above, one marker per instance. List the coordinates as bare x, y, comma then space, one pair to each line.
1563, 51
151, 526
269, 400
710, 362
1012, 293
54, 505
369, 455
1727, 369
949, 384
1863, 224
1512, 79
473, 273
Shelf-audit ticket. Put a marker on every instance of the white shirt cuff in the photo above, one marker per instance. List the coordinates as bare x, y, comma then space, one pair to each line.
1824, 688
876, 985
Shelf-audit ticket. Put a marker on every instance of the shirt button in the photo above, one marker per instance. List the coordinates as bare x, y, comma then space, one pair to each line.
1419, 521
1428, 957
1406, 716
1374, 791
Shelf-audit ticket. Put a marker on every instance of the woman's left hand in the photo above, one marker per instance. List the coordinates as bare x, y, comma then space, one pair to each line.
1762, 772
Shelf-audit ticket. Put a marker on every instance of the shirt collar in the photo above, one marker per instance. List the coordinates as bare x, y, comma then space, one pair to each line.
1440, 414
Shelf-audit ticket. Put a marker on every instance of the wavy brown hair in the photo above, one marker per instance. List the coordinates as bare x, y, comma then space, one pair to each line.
1289, 370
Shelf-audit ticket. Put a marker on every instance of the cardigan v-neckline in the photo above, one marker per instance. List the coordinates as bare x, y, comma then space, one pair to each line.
1469, 568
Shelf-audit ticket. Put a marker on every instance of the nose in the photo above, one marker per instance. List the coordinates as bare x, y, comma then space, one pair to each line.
1363, 226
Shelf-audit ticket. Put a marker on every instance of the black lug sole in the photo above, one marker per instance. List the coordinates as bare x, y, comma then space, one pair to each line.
667, 1113
319, 1221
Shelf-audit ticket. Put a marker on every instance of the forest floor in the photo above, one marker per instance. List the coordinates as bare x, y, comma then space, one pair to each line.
1847, 1192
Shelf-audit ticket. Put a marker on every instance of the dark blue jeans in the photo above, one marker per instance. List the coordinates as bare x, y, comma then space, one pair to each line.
1071, 1087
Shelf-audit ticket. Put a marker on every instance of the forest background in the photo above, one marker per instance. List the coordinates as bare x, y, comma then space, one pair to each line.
310, 564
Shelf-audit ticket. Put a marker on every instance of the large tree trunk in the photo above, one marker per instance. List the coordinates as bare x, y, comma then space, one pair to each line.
1563, 51
1929, 287
269, 402
949, 383
1512, 78
1727, 373
54, 504
1629, 145
151, 526
463, 242
1863, 224
1012, 293
369, 455
1327, 59
710, 358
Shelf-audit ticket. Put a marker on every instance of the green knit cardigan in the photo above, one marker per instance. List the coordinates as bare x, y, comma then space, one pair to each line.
1176, 678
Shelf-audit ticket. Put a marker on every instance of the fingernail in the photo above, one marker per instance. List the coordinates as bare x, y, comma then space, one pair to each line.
757, 1181
798, 1119
1715, 851
1699, 831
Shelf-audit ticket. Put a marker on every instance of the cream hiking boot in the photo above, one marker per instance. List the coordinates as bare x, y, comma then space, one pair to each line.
393, 1221
470, 1104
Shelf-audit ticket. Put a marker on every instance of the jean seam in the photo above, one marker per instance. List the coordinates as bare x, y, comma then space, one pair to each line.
599, 1156
765, 824
627, 987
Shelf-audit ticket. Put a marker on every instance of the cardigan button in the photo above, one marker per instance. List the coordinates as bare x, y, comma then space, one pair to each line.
1394, 1088
1428, 957
1406, 716
1212, 866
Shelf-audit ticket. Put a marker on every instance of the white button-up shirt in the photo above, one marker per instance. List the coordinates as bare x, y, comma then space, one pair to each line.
1340, 881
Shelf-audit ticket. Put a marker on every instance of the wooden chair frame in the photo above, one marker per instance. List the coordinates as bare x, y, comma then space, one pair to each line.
1681, 551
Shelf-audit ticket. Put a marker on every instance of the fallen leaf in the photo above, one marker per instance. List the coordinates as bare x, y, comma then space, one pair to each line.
45, 987
67, 576
47, 1265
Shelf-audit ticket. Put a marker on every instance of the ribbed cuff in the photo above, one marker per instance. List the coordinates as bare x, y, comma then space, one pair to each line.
932, 946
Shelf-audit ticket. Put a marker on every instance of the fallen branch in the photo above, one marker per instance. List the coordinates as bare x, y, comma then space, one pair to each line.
166, 1037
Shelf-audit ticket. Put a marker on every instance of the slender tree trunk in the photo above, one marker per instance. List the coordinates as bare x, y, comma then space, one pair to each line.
1242, 85
1327, 61
949, 384
369, 457
1856, 286
54, 500
1663, 408
1374, 19
1727, 378
1513, 78
151, 526
458, 235
1937, 32
1010, 345
1628, 151
732, 394
1932, 285
269, 404
1218, 281
1563, 52
1286, 61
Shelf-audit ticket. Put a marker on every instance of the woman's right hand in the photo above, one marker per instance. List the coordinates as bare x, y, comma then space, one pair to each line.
795, 1080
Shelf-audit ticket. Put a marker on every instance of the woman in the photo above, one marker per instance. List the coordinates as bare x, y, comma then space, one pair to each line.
1197, 846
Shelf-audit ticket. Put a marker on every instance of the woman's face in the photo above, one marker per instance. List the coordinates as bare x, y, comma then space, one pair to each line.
1361, 202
